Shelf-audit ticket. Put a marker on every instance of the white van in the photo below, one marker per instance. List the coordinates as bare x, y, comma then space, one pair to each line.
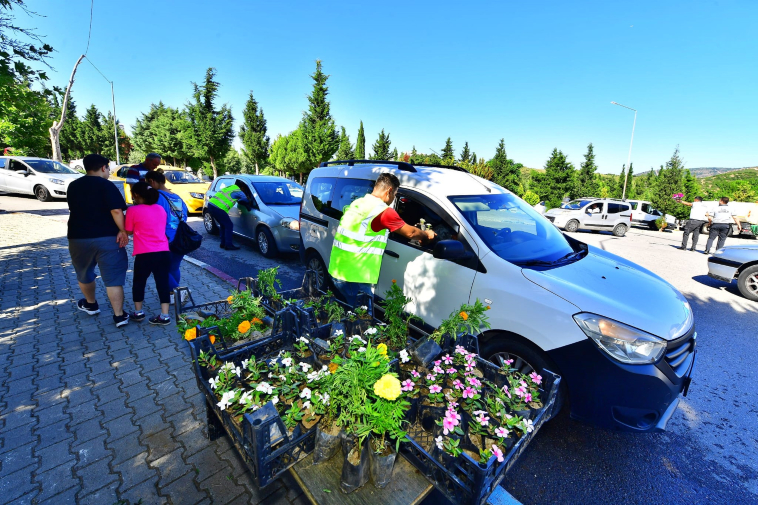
45, 179
556, 302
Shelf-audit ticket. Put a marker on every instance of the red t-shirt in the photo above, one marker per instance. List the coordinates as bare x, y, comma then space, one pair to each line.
389, 219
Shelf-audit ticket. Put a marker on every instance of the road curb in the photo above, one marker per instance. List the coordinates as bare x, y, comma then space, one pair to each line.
212, 270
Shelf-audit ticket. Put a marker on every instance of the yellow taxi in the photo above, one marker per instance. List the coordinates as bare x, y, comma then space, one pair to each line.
187, 185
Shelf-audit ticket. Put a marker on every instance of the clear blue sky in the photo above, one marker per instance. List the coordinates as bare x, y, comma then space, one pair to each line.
539, 74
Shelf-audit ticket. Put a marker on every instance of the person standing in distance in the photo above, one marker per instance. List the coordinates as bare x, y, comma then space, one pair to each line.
695, 223
219, 206
137, 173
97, 237
361, 239
720, 220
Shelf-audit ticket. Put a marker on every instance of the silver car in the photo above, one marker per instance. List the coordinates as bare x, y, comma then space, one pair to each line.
272, 222
737, 262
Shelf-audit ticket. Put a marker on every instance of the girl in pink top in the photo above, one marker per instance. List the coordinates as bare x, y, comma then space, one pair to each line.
147, 222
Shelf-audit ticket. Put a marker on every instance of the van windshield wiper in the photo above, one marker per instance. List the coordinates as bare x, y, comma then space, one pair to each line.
542, 263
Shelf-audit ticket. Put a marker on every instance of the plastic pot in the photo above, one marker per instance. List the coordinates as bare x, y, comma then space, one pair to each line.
424, 351
429, 415
326, 445
381, 466
355, 467
412, 413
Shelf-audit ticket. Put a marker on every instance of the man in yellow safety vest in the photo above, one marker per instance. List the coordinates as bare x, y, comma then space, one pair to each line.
361, 238
218, 207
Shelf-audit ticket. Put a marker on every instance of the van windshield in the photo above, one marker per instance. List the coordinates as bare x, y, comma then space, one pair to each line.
514, 231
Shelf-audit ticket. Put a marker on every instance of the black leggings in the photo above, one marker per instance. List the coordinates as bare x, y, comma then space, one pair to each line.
156, 263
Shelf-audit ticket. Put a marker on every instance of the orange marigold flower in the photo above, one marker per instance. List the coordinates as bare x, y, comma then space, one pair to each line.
229, 299
190, 334
394, 281
464, 316
488, 307
243, 327
256, 321
213, 339
333, 367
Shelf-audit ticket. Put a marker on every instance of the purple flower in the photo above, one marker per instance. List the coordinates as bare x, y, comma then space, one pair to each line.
435, 389
407, 385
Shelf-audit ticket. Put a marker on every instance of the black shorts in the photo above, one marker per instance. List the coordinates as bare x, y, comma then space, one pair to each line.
103, 252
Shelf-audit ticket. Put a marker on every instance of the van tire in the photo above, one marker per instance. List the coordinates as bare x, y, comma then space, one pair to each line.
572, 226
532, 359
314, 262
619, 230
266, 242
209, 224
42, 194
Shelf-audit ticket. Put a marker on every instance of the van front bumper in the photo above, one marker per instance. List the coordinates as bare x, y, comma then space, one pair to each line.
637, 398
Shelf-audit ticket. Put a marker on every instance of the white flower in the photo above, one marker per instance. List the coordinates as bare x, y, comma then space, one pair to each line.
245, 362
363, 307
325, 398
275, 400
238, 372
226, 400
350, 313
305, 366
227, 366
361, 349
529, 425
404, 356
438, 441
303, 340
313, 376
370, 331
358, 338
307, 405
305, 393
265, 387
213, 382
245, 398
283, 378
287, 362
338, 333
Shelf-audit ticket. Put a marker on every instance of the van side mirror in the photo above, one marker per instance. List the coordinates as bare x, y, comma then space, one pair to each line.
450, 250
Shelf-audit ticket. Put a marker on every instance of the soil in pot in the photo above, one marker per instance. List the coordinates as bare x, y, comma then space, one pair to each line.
310, 420
327, 443
382, 464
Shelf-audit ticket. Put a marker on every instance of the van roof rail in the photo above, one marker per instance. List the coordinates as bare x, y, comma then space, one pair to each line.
401, 165
449, 167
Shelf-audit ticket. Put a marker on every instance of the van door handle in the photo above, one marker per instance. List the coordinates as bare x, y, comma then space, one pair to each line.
391, 253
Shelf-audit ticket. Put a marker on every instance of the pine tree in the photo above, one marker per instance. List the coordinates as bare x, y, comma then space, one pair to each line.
691, 187
319, 133
559, 179
394, 155
631, 190
90, 134
670, 181
617, 191
586, 182
447, 152
381, 147
506, 173
345, 151
473, 158
465, 154
360, 144
252, 133
211, 130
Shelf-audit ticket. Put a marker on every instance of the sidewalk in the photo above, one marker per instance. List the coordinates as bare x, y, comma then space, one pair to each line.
91, 413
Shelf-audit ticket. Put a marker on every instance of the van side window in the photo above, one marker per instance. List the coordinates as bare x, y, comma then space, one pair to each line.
634, 205
346, 191
412, 212
615, 208
321, 192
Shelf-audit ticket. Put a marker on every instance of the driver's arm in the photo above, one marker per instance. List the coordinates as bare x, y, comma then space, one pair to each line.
413, 233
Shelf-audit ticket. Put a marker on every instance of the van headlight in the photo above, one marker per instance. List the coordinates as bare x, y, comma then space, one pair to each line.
57, 181
623, 343
199, 196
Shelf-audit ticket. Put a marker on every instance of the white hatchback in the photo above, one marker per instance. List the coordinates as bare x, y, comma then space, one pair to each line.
43, 178
557, 303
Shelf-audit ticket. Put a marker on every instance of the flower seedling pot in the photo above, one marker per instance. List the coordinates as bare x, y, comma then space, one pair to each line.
326, 445
355, 467
424, 350
381, 467
412, 413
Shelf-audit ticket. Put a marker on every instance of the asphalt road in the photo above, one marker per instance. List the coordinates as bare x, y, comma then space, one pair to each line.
709, 454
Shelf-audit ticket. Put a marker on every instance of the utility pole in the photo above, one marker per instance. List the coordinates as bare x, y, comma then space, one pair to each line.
629, 158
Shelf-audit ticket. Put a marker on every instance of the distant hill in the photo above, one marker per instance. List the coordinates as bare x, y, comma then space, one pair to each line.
725, 184
703, 172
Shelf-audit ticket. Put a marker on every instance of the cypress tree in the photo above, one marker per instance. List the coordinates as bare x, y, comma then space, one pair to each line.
586, 181
319, 133
252, 133
559, 179
360, 144
631, 190
466, 154
620, 184
506, 173
345, 152
381, 147
670, 181
473, 158
447, 151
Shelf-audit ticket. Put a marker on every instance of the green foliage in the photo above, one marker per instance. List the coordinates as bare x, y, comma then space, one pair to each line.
360, 144
448, 154
558, 181
670, 180
531, 198
381, 147
467, 319
586, 183
252, 133
619, 186
506, 173
744, 192
268, 282
24, 116
14, 53
737, 185
319, 134
345, 151
396, 331
210, 131
466, 154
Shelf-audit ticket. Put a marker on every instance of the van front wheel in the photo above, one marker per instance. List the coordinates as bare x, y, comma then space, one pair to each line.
620, 230
572, 226
525, 358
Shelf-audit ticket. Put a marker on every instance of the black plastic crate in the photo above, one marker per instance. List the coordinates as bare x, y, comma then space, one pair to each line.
262, 439
466, 481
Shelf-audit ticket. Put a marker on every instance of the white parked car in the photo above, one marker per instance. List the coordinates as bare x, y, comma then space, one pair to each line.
557, 303
595, 214
737, 262
45, 179
643, 214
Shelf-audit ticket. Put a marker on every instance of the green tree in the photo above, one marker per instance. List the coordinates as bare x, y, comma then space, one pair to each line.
507, 173
691, 187
631, 189
465, 153
381, 147
394, 155
473, 158
210, 131
345, 151
448, 154
143, 136
360, 144
743, 192
15, 53
619, 186
670, 180
168, 134
278, 153
559, 179
252, 133
91, 134
531, 198
109, 144
319, 134
585, 180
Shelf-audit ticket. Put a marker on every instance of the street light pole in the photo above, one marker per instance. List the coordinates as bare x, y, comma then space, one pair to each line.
629, 158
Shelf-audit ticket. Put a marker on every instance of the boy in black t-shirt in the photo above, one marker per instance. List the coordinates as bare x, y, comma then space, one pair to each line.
96, 236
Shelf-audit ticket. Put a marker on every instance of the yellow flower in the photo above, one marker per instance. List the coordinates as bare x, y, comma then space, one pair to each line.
464, 316
388, 387
190, 334
333, 367
229, 299
382, 348
243, 327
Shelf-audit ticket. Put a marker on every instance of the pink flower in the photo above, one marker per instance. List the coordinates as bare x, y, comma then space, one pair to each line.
447, 359
483, 419
523, 383
506, 391
435, 389
430, 377
474, 381
451, 371
451, 406
520, 391
537, 379
497, 453
447, 425
528, 397
437, 370
459, 349
501, 432
470, 366
458, 384
407, 385
471, 356
508, 362
438, 362
469, 393
415, 374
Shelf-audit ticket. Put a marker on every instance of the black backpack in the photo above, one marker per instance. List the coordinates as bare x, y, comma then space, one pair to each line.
186, 239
